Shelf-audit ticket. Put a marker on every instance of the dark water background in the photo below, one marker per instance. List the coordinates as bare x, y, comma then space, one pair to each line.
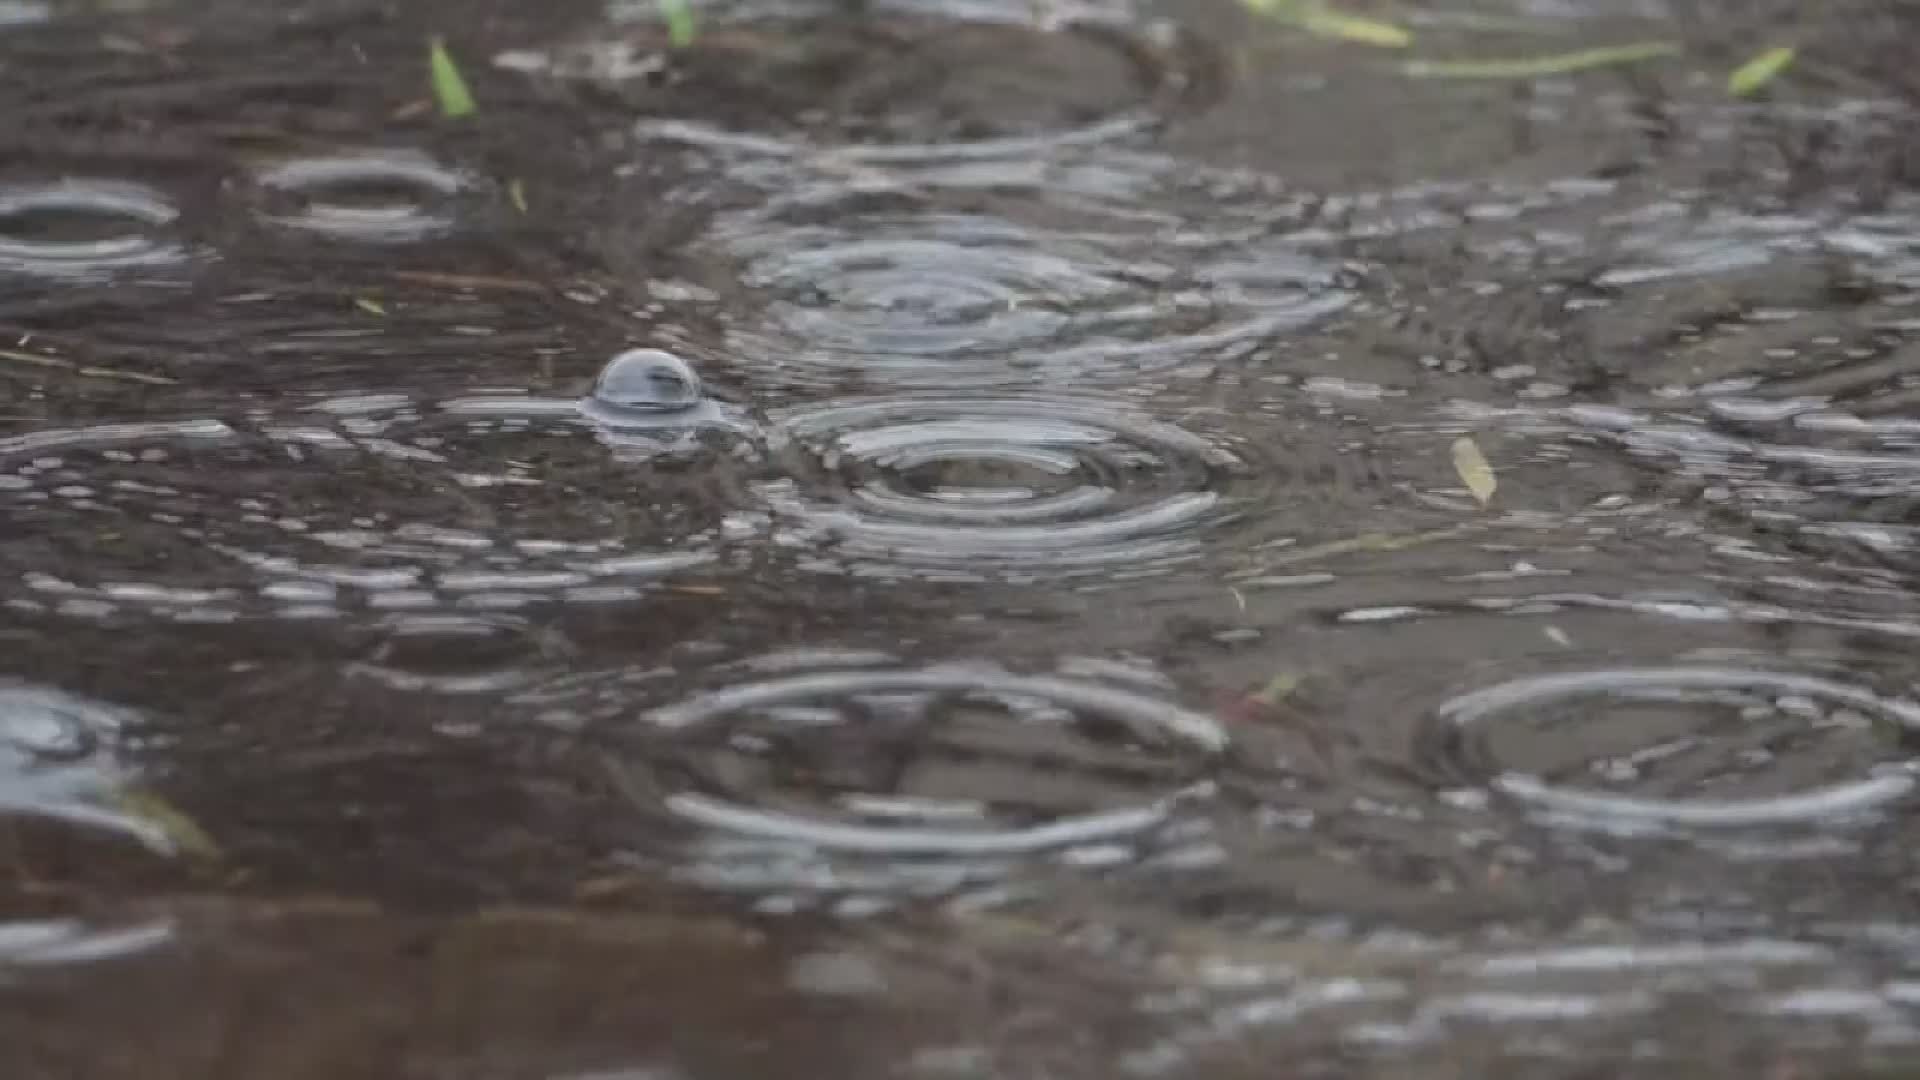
1060, 642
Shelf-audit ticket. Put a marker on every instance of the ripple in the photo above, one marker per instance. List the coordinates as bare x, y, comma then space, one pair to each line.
1829, 477
45, 943
968, 488
457, 654
1669, 240
474, 505
906, 83
57, 761
1684, 746
374, 197
85, 228
903, 293
950, 761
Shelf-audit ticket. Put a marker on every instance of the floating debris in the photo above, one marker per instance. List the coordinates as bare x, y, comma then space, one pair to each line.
1323, 21
449, 86
1754, 75
1540, 67
1474, 469
681, 26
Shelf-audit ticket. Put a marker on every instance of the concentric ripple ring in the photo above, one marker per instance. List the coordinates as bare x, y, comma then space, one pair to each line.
906, 55
1151, 722
971, 486
414, 195
1836, 799
899, 294
140, 211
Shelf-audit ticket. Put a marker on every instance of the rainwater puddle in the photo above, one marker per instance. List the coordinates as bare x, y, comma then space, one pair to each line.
959, 539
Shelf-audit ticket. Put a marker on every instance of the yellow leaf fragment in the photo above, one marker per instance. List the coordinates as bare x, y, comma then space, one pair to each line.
1474, 470
181, 831
1277, 688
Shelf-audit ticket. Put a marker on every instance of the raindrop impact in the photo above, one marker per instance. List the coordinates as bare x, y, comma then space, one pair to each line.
374, 197
456, 653
894, 765
85, 228
1683, 747
910, 82
970, 488
907, 295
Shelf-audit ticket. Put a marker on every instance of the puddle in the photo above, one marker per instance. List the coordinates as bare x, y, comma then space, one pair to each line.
950, 535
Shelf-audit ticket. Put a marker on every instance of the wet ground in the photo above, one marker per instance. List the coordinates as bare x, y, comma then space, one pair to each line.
1032, 618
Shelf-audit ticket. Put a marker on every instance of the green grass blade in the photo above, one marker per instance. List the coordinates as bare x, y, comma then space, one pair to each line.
681, 26
1537, 67
449, 88
1749, 78
1323, 20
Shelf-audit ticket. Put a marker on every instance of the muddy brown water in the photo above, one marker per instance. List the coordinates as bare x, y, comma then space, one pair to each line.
1060, 643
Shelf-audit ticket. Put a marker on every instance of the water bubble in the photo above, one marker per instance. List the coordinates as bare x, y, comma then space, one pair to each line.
968, 487
376, 196
85, 228
647, 381
57, 761
1707, 747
